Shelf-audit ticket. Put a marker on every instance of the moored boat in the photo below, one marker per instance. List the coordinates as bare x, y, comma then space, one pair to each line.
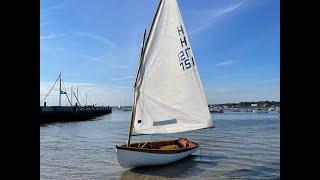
126, 108
272, 109
260, 110
216, 110
246, 110
154, 153
168, 96
236, 110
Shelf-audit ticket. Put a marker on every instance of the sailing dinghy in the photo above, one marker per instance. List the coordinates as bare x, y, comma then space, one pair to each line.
168, 96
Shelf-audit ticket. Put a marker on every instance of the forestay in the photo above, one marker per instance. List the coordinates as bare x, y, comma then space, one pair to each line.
168, 94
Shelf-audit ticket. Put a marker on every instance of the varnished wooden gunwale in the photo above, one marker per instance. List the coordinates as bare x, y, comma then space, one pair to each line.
158, 151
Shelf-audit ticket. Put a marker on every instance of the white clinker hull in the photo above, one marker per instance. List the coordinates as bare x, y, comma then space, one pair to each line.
131, 159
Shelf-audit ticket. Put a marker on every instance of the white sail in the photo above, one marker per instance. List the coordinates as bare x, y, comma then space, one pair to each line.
169, 96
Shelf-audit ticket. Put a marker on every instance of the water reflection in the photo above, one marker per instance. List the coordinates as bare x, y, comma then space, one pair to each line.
192, 165
266, 171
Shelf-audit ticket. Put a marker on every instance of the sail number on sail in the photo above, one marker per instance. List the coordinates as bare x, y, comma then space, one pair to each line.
185, 59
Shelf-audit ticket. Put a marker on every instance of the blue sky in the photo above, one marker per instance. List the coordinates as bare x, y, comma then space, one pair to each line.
96, 45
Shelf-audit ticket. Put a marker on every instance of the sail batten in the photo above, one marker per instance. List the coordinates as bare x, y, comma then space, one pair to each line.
168, 86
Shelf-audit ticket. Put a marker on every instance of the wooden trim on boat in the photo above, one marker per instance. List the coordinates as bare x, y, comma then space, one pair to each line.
134, 147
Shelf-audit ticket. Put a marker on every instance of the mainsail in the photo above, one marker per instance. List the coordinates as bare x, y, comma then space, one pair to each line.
168, 94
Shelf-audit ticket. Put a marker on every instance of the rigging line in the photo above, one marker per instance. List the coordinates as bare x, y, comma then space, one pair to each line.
87, 98
50, 90
82, 98
65, 90
68, 99
76, 98
90, 101
64, 85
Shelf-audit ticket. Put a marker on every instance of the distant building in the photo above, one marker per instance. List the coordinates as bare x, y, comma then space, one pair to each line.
254, 105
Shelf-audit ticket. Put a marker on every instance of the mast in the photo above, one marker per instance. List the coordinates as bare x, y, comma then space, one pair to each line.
144, 45
134, 87
60, 90
86, 98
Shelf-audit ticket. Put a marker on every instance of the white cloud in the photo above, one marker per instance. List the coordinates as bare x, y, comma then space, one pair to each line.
50, 36
121, 87
55, 7
228, 9
122, 78
212, 15
224, 63
96, 37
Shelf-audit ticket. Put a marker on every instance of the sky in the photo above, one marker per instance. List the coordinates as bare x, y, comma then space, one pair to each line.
96, 44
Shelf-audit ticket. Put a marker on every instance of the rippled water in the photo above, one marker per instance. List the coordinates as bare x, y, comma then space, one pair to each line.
242, 146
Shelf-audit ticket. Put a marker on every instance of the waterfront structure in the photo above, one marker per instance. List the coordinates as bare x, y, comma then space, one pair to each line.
73, 112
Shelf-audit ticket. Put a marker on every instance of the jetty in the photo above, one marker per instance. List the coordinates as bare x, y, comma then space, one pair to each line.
71, 113
74, 112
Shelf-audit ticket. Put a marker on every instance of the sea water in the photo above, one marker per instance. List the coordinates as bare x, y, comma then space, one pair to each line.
243, 145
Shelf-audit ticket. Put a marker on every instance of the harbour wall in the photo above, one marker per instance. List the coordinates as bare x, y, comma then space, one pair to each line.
71, 113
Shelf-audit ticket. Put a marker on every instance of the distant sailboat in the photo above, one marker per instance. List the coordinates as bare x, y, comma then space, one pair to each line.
168, 94
126, 108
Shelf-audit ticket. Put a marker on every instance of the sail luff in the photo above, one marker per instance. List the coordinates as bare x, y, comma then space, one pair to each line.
134, 98
152, 27
141, 57
144, 46
139, 74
